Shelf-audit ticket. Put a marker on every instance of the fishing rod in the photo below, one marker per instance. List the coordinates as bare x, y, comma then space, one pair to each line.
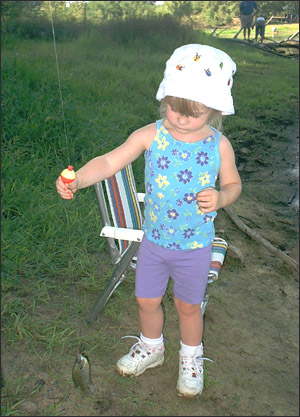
67, 175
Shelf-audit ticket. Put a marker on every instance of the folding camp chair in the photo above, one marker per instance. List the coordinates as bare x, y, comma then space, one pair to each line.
119, 205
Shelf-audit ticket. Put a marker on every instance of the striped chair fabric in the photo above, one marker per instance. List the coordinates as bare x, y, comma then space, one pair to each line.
123, 201
219, 249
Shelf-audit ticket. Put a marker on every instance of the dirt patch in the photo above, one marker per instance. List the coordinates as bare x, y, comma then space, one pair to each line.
251, 322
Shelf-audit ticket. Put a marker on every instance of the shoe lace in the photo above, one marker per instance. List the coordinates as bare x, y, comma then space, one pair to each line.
139, 347
193, 365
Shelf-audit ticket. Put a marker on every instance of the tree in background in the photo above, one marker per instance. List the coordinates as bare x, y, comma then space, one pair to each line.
278, 8
180, 10
16, 9
219, 12
205, 13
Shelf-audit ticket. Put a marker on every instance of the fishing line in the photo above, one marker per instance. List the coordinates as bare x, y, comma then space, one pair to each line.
67, 143
59, 84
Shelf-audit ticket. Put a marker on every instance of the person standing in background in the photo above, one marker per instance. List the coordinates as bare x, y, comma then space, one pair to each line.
260, 28
246, 16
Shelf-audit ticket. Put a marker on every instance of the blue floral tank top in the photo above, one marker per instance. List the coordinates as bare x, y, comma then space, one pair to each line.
175, 172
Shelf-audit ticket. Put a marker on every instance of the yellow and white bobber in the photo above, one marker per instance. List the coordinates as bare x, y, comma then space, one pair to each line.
68, 175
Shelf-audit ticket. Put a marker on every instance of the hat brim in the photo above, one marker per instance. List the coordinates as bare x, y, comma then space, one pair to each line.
204, 95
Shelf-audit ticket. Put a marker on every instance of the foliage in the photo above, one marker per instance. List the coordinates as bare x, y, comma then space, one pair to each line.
135, 29
94, 12
219, 12
278, 8
179, 9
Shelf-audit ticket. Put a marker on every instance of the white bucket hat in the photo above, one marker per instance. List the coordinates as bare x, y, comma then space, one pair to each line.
200, 73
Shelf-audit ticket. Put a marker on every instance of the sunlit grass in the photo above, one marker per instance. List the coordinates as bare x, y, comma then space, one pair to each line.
284, 31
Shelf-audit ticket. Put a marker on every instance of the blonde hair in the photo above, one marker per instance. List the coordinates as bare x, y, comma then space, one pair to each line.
190, 108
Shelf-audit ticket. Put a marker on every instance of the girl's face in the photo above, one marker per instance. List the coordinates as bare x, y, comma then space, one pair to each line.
188, 124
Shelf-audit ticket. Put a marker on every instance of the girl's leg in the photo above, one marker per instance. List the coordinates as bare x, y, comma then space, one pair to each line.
190, 322
148, 352
191, 375
150, 316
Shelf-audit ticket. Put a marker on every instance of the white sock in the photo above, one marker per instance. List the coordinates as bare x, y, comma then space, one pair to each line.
187, 350
152, 342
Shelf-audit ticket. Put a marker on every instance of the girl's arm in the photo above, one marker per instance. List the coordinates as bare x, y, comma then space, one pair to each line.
104, 166
211, 199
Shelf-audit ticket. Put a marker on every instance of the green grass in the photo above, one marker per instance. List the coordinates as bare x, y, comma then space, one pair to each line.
54, 263
284, 31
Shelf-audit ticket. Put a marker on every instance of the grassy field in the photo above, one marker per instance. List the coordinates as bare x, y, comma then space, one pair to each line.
284, 31
51, 251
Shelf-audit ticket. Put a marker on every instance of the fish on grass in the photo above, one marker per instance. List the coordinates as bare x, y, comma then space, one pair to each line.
81, 374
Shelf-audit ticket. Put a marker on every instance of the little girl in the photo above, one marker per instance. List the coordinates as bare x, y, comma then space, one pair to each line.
184, 156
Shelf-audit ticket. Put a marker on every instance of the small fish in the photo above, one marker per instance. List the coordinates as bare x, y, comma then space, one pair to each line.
81, 373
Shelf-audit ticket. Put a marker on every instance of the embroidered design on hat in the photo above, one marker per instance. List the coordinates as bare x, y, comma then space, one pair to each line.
207, 72
179, 67
197, 57
221, 65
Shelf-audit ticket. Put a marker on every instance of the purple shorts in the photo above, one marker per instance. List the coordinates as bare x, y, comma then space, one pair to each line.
188, 269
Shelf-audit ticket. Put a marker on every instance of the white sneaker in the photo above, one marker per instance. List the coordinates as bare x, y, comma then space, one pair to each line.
191, 377
140, 357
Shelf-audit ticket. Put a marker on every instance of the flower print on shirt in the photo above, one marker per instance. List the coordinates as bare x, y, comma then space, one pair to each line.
164, 130
185, 176
207, 218
179, 202
152, 216
162, 144
188, 233
202, 158
163, 162
195, 245
173, 214
189, 198
148, 154
156, 207
204, 179
184, 155
206, 140
171, 231
155, 234
149, 188
162, 180
174, 173
174, 246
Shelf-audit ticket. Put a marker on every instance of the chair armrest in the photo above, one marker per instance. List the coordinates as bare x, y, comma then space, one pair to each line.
122, 233
141, 197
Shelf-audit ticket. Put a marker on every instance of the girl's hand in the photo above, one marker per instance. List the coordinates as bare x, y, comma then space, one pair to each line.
209, 200
66, 191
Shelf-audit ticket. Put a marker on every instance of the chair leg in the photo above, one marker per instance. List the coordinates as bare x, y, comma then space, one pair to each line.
204, 303
116, 278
